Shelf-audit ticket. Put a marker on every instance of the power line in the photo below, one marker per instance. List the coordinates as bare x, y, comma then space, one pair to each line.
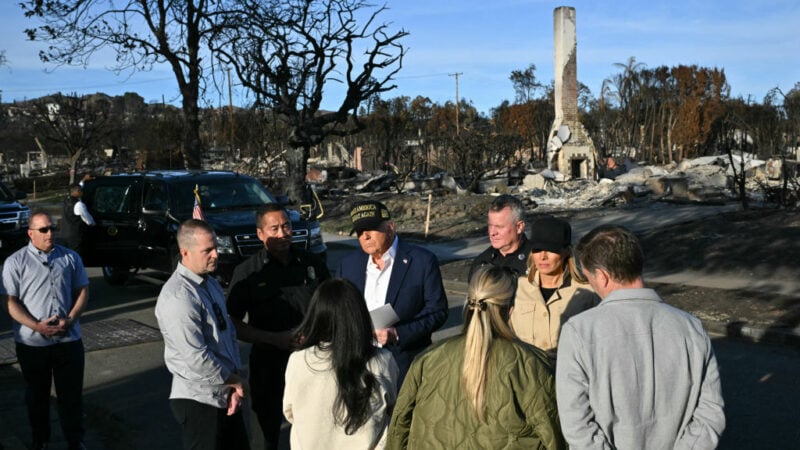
432, 75
91, 87
61, 88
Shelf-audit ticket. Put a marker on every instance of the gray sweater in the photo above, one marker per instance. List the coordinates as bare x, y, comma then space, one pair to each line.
636, 373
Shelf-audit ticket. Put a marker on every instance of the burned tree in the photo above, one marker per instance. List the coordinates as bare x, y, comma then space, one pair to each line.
76, 124
142, 33
291, 53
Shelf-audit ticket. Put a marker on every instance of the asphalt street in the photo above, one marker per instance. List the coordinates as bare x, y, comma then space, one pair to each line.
126, 387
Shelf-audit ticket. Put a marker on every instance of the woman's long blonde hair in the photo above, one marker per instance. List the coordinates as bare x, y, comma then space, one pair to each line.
485, 319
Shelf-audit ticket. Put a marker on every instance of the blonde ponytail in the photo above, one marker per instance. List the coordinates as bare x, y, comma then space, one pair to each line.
485, 318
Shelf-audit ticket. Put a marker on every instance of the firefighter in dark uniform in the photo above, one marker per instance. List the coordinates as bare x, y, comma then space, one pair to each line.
273, 288
509, 245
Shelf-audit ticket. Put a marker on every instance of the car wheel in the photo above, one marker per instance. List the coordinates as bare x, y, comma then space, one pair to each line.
116, 276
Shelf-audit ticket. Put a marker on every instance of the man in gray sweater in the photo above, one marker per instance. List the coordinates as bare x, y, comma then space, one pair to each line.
634, 372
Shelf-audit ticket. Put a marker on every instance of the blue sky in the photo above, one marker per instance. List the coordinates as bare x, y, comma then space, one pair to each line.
757, 43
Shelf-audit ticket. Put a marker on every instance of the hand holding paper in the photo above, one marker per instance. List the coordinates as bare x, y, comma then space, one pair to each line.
383, 317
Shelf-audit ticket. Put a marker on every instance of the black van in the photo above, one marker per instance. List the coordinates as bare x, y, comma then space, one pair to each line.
138, 214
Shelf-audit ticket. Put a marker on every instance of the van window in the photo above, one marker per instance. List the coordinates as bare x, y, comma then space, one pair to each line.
113, 199
155, 197
219, 194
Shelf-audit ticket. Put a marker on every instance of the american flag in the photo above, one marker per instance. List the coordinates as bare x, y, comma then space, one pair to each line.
197, 212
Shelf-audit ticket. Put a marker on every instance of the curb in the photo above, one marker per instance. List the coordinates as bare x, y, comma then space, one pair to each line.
759, 335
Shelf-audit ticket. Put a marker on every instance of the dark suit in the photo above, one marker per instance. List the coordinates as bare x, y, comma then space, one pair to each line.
415, 292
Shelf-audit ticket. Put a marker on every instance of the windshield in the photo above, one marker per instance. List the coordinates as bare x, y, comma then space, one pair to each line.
218, 194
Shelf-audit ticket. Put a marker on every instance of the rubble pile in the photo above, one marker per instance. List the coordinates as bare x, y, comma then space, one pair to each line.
706, 180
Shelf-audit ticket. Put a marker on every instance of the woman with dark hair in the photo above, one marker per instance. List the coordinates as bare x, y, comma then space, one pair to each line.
340, 388
554, 289
482, 389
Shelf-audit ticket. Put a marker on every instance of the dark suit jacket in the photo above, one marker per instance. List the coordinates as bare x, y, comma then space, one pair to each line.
415, 292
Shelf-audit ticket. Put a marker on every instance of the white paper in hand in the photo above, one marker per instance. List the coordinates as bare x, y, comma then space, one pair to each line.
383, 317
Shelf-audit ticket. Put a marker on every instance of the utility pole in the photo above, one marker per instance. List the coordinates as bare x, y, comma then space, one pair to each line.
457, 101
161, 133
230, 110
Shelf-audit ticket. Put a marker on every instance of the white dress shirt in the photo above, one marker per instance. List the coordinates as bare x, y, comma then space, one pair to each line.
82, 211
377, 282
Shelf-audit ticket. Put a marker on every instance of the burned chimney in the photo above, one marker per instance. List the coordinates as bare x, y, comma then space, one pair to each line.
570, 150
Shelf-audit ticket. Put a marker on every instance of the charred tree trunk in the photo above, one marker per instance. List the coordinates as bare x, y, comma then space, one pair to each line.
296, 159
739, 178
192, 146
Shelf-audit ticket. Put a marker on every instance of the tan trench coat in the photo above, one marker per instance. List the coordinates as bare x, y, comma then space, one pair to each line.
538, 322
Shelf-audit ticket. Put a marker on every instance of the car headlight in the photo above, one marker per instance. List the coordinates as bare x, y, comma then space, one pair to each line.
24, 218
225, 245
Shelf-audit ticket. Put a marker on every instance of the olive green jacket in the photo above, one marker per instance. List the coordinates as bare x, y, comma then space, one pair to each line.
433, 412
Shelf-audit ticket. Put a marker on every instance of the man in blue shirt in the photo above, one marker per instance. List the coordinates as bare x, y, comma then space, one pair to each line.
46, 290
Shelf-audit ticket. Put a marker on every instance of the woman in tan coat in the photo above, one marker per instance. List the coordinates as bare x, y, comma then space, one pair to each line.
553, 290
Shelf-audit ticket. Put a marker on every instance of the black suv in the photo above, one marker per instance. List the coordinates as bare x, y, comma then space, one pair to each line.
138, 214
14, 218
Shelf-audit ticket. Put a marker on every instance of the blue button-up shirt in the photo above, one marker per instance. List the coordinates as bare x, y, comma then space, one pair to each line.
47, 285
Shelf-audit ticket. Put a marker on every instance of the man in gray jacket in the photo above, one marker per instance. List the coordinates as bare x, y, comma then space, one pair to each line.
200, 348
634, 372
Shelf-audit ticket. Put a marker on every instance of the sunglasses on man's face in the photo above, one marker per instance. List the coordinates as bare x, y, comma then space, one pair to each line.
45, 230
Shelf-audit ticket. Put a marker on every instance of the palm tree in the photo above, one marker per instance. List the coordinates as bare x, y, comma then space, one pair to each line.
627, 85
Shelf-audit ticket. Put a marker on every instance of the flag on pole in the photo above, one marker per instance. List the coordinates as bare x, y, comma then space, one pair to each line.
197, 212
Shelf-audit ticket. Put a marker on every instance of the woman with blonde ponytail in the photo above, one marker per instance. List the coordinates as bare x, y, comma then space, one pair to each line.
483, 388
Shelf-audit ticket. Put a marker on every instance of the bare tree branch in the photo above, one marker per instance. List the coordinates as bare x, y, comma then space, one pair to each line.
77, 124
142, 33
291, 53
